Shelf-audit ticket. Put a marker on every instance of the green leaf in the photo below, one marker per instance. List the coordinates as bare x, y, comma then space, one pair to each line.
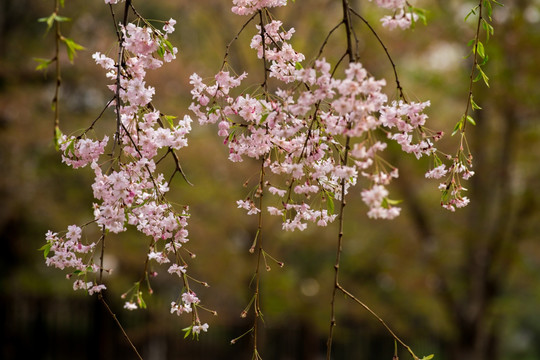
49, 20
480, 49
70, 149
57, 136
421, 13
140, 300
429, 357
472, 12
72, 47
483, 75
471, 120
161, 50
487, 5
393, 202
214, 108
46, 249
474, 105
61, 18
445, 196
170, 120
43, 63
167, 43
187, 331
298, 66
484, 61
438, 161
329, 203
488, 28
459, 125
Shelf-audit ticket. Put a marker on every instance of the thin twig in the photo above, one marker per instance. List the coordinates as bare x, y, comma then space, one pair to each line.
119, 66
100, 297
343, 161
327, 38
474, 65
398, 84
355, 299
55, 101
97, 118
234, 39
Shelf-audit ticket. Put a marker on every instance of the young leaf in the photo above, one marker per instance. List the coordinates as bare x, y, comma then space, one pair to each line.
61, 18
393, 202
169, 45
46, 249
472, 12
459, 125
329, 203
71, 47
471, 120
488, 28
49, 20
474, 105
43, 63
438, 161
480, 50
429, 357
188, 331
483, 74
140, 300
161, 50
421, 13
57, 136
487, 5
170, 119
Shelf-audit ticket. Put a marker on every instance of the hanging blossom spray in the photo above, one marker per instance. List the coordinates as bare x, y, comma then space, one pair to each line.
299, 129
127, 186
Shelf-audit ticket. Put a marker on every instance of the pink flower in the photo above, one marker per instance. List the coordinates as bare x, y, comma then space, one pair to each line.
130, 306
197, 328
437, 172
169, 26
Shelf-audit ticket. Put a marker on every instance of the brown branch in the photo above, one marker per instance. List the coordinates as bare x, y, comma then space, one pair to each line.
474, 65
327, 38
119, 66
100, 297
227, 48
355, 299
343, 160
398, 84
58, 37
259, 244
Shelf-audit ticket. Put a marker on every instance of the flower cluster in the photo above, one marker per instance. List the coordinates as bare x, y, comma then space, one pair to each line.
402, 17
277, 50
127, 186
316, 139
68, 252
78, 152
451, 189
248, 7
